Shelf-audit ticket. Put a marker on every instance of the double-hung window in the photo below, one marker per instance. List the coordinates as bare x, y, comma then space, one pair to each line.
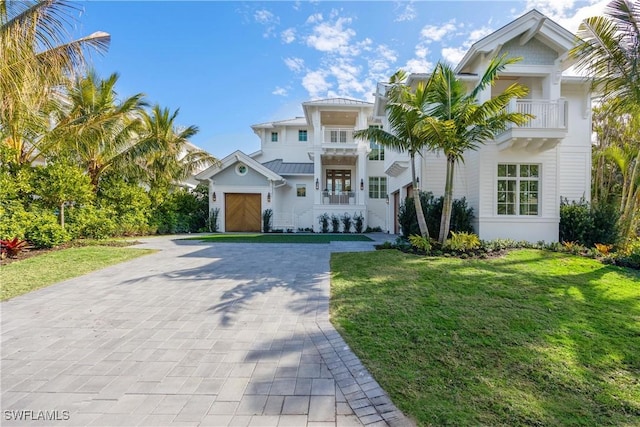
518, 189
274, 136
377, 187
302, 136
377, 150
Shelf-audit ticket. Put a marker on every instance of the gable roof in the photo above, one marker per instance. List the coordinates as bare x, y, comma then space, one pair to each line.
531, 24
232, 159
286, 168
297, 121
337, 101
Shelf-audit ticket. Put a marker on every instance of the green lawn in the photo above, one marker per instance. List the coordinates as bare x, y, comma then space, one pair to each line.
24, 276
534, 338
283, 238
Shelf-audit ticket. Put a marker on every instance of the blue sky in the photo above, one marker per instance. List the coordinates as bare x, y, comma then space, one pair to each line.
228, 65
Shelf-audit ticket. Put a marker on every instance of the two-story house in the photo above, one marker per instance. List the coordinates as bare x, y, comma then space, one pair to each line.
306, 167
514, 183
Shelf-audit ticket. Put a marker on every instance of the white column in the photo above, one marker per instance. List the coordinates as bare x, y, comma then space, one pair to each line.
362, 175
317, 176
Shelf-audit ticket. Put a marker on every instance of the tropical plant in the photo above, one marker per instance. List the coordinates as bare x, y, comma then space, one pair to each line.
335, 223
323, 220
358, 222
608, 49
36, 59
266, 220
12, 248
461, 215
405, 109
456, 122
346, 223
101, 131
212, 221
462, 242
420, 243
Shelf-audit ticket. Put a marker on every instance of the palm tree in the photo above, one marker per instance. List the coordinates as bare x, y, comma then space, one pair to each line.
455, 122
405, 110
36, 58
175, 159
100, 131
608, 48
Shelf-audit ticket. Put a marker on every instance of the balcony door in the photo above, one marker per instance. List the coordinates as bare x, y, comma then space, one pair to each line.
338, 180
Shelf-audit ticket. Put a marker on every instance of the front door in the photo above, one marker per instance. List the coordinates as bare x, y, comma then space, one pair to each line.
338, 180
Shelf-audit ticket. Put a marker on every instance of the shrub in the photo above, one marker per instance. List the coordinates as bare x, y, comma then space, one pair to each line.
132, 207
90, 222
324, 222
461, 215
212, 221
358, 222
335, 223
377, 229
462, 242
420, 243
346, 223
588, 224
266, 220
45, 232
11, 248
15, 220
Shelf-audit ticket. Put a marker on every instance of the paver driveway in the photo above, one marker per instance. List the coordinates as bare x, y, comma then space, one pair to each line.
196, 334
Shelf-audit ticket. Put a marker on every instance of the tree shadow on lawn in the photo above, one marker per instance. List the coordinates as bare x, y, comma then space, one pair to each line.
501, 341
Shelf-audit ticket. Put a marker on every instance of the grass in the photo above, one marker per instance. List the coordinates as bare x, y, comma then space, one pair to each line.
534, 338
24, 276
283, 238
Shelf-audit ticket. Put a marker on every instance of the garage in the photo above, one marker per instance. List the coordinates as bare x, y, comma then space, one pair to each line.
243, 212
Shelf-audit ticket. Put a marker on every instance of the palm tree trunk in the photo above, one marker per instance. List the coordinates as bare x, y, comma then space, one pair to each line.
447, 203
422, 223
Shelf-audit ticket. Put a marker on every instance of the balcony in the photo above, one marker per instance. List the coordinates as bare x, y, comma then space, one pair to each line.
338, 198
338, 141
544, 131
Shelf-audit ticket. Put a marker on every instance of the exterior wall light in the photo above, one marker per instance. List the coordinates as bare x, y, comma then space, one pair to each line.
387, 198
317, 184
268, 197
361, 184
214, 196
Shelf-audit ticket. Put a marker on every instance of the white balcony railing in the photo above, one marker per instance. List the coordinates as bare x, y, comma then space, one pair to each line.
547, 114
338, 198
338, 136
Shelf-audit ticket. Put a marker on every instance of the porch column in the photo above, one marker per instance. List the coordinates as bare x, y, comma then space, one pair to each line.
317, 177
362, 175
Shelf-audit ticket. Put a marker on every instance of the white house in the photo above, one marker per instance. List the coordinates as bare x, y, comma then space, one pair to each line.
311, 165
307, 166
514, 183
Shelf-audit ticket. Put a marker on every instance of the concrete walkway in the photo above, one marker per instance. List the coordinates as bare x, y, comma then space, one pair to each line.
194, 335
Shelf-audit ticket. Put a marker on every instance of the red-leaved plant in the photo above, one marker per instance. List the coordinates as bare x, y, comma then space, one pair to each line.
11, 248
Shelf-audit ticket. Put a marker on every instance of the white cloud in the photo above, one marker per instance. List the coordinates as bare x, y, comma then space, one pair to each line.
315, 83
418, 65
347, 78
453, 55
314, 18
288, 36
280, 91
405, 12
331, 37
477, 34
436, 33
263, 16
564, 12
295, 64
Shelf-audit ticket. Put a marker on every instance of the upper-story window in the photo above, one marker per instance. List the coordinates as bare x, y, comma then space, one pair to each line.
337, 135
302, 135
377, 150
518, 189
377, 187
274, 136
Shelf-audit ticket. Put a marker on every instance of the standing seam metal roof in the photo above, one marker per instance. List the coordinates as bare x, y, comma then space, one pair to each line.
282, 168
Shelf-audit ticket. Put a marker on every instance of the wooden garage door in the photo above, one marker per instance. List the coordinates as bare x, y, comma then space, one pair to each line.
243, 212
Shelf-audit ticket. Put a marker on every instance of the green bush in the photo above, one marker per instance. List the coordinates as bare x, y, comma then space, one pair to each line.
129, 202
323, 220
462, 242
588, 224
335, 223
212, 221
89, 222
346, 223
420, 243
266, 220
45, 232
14, 220
358, 222
461, 215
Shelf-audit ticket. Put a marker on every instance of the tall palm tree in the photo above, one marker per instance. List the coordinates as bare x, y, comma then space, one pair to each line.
174, 158
36, 58
456, 122
102, 132
405, 109
608, 49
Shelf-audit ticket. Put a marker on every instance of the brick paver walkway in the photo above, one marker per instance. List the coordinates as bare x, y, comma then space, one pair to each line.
194, 335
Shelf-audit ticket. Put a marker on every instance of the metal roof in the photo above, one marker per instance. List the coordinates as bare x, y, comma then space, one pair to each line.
337, 101
282, 168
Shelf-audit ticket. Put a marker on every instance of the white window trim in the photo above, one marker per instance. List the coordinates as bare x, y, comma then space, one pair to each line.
495, 190
381, 194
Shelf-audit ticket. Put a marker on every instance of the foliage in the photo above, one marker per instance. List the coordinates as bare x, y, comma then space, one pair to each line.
455, 122
11, 248
377, 229
420, 243
358, 222
323, 220
335, 223
91, 222
461, 215
587, 224
212, 221
533, 338
130, 204
14, 219
45, 232
603, 249
346, 223
462, 242
266, 220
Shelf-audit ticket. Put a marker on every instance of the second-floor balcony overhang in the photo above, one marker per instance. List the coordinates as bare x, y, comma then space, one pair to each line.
338, 140
542, 132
